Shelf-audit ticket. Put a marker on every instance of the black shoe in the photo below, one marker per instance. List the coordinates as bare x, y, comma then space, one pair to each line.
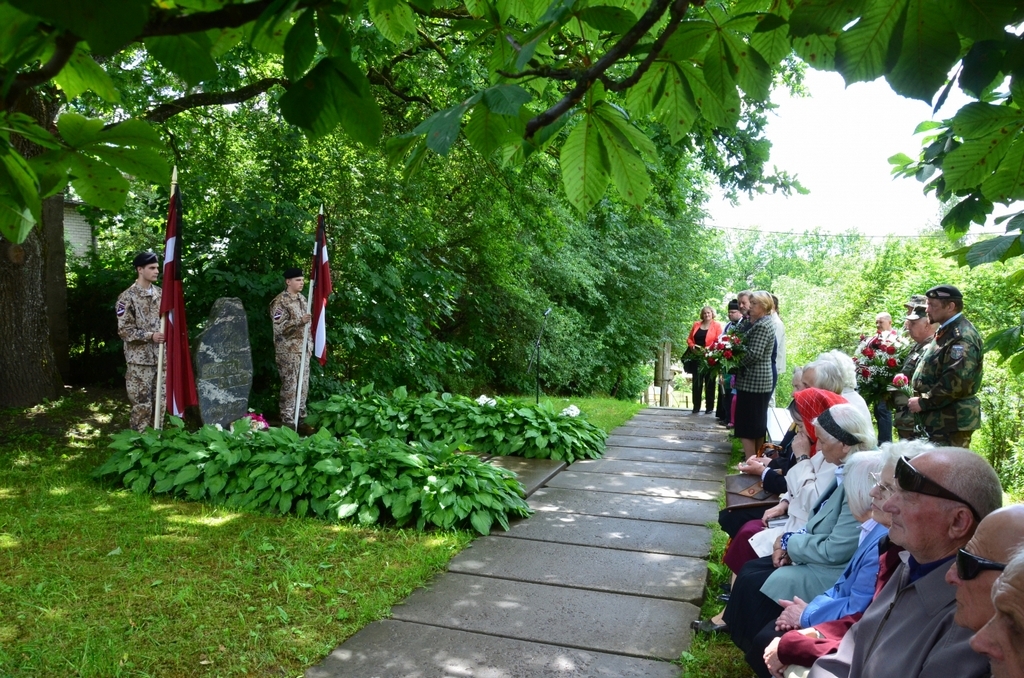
725, 587
723, 598
695, 412
707, 626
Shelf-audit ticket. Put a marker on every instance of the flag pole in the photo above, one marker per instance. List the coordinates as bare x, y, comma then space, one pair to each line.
158, 401
305, 334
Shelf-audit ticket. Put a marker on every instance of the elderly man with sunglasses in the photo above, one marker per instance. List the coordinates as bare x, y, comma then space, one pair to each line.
908, 630
1001, 639
979, 563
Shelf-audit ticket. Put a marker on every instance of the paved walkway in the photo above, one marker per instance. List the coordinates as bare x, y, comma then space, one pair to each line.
603, 580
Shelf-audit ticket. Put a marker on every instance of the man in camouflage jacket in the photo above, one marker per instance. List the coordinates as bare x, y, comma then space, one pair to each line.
948, 375
290, 317
921, 331
138, 324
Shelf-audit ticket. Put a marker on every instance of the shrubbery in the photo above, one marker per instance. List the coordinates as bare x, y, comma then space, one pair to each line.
488, 425
386, 479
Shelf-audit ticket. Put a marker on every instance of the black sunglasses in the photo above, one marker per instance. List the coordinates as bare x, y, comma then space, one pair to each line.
910, 479
969, 566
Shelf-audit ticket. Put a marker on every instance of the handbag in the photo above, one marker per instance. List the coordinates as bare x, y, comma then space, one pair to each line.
746, 491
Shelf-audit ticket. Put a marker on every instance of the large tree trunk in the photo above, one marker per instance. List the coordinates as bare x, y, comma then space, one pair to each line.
55, 281
28, 371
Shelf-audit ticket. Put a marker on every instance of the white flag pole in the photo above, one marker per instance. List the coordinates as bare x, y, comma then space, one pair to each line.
303, 357
158, 419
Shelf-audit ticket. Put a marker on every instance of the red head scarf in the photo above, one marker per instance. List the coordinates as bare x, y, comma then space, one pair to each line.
811, 402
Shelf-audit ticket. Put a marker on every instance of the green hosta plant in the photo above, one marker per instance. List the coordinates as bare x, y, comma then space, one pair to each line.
489, 425
275, 471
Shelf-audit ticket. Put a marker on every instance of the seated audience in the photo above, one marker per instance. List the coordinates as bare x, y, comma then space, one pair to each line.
1001, 639
908, 629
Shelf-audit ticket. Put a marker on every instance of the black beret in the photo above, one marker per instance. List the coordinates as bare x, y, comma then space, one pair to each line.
734, 305
145, 259
944, 292
292, 273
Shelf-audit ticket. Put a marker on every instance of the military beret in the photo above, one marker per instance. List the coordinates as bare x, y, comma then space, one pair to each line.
944, 292
915, 301
292, 273
734, 305
144, 259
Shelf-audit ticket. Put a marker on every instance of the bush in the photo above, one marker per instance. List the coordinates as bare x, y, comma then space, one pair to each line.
275, 471
488, 425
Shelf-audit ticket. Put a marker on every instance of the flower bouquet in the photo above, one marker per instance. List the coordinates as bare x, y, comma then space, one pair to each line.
877, 362
723, 355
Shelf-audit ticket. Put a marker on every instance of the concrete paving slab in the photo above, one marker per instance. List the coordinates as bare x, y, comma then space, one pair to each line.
671, 424
708, 490
532, 473
715, 460
669, 443
637, 507
646, 435
656, 575
589, 620
652, 469
613, 533
396, 649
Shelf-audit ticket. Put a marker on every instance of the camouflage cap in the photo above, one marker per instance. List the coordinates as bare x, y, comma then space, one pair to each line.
915, 301
944, 292
917, 312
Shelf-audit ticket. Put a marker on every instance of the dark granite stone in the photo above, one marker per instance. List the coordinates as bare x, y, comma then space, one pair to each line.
223, 363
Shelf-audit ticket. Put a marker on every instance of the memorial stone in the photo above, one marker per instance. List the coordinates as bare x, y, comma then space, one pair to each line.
223, 363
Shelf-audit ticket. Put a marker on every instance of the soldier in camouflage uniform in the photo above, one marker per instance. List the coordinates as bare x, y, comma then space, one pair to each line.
921, 331
138, 323
948, 374
288, 311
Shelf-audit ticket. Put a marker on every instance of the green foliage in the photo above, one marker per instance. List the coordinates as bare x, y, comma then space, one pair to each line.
1002, 426
502, 427
276, 472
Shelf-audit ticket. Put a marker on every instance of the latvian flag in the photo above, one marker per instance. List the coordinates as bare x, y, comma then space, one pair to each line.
181, 384
322, 288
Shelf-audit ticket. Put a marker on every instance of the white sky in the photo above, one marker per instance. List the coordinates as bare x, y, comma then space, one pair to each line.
836, 141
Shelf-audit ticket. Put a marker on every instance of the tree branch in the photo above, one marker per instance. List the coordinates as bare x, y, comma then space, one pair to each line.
164, 111
229, 16
677, 12
587, 78
383, 78
64, 48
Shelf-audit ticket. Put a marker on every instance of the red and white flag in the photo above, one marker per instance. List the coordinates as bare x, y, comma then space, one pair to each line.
181, 384
322, 288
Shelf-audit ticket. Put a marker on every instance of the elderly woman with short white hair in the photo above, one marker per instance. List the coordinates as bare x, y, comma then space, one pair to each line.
848, 374
807, 562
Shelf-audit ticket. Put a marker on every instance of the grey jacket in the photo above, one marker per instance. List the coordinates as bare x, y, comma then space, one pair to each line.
907, 631
755, 375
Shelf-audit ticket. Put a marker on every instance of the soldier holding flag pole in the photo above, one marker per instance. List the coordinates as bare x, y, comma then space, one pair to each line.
320, 288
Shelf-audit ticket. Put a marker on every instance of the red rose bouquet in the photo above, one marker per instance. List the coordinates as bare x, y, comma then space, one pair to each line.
877, 362
723, 355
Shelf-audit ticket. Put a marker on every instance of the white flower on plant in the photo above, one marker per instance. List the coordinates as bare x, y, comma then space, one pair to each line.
218, 427
484, 400
571, 411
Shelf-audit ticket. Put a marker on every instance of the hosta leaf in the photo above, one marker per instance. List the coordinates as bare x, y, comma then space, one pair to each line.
482, 520
584, 163
862, 51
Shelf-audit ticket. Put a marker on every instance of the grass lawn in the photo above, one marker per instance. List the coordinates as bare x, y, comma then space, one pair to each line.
96, 581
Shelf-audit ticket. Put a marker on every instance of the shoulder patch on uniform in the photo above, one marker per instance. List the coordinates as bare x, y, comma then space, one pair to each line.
119, 309
278, 313
956, 352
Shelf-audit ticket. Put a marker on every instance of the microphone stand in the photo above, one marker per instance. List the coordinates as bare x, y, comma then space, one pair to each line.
536, 353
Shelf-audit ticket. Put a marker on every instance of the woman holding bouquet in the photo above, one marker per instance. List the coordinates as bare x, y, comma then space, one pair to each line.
704, 333
755, 381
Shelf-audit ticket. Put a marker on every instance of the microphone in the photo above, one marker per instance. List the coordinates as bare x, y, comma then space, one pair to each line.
547, 312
